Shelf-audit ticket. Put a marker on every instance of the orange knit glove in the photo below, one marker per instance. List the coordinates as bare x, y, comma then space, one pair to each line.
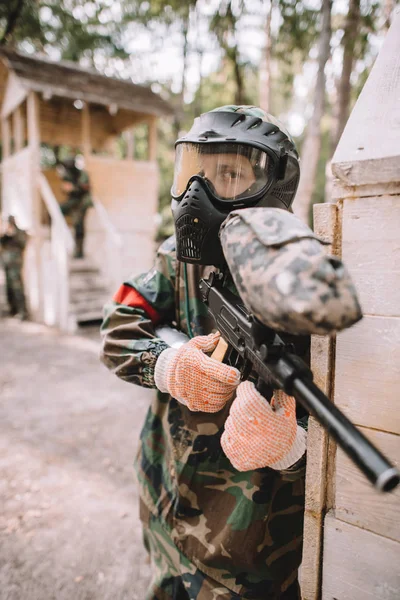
195, 379
258, 434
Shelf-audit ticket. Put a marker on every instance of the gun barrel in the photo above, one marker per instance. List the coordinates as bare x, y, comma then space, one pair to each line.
382, 474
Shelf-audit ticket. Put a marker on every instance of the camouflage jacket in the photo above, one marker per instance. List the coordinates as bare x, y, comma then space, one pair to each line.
12, 247
79, 199
243, 529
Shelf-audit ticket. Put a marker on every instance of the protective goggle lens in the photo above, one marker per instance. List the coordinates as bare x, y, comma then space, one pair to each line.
232, 171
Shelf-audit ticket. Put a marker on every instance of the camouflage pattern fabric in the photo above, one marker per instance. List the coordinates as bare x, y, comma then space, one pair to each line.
77, 203
283, 274
12, 254
217, 532
175, 577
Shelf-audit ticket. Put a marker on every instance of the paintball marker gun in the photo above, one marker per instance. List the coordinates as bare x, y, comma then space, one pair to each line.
275, 361
290, 285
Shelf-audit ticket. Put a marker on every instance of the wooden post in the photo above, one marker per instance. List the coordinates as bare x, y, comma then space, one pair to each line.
86, 139
320, 449
130, 144
6, 137
33, 116
18, 129
153, 139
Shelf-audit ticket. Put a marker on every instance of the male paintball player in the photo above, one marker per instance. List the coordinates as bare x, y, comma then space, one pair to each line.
12, 245
76, 187
222, 517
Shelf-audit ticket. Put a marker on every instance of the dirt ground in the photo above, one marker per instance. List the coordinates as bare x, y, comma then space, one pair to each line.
69, 429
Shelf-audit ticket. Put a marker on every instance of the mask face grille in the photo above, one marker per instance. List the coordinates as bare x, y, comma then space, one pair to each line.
285, 192
190, 235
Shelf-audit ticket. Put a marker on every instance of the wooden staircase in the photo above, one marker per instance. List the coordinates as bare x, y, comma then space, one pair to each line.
88, 291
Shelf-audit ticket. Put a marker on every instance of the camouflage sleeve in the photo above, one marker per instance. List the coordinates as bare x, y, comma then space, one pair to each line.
130, 346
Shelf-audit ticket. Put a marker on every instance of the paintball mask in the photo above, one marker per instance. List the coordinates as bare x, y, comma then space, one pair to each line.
233, 157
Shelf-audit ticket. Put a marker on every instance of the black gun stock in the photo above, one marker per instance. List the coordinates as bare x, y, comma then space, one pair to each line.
276, 363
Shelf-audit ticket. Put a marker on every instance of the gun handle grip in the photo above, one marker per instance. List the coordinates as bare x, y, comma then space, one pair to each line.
220, 350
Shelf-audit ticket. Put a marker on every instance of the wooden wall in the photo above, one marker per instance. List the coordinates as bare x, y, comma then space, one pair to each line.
17, 186
129, 191
352, 531
61, 123
361, 545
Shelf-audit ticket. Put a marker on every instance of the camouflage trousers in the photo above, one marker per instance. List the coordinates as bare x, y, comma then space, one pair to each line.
176, 578
15, 290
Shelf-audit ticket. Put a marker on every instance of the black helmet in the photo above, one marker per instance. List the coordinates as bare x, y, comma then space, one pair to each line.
233, 157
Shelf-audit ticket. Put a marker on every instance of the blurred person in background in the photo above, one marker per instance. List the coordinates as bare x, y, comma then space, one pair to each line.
76, 186
221, 473
12, 245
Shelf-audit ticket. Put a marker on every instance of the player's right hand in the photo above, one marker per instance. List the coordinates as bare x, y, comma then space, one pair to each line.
195, 379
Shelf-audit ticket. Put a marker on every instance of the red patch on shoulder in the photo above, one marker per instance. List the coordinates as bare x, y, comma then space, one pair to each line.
130, 297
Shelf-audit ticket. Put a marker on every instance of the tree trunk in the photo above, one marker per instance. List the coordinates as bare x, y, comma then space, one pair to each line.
344, 86
12, 20
265, 70
312, 143
179, 109
237, 69
388, 7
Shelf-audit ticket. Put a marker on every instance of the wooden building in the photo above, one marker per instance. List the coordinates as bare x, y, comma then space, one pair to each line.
352, 532
44, 102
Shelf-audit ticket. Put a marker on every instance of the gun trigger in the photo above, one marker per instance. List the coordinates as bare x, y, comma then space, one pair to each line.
245, 370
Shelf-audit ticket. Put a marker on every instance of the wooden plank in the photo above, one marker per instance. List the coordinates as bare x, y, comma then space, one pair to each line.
6, 137
368, 151
17, 187
368, 373
357, 502
371, 251
153, 139
15, 93
311, 566
358, 564
326, 226
86, 139
369, 171
341, 190
130, 144
33, 122
18, 129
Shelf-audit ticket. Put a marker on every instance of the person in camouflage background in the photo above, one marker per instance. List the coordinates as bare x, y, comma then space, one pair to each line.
12, 243
213, 531
75, 184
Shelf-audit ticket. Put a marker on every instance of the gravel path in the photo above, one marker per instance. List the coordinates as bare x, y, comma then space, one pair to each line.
69, 430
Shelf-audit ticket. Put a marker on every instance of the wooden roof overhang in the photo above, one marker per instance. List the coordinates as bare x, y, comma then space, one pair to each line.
115, 105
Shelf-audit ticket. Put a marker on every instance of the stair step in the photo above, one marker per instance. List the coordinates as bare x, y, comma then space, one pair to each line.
88, 301
87, 281
83, 270
90, 290
90, 315
82, 265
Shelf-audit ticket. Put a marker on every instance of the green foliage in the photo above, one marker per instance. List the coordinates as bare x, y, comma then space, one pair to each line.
87, 30
298, 29
73, 28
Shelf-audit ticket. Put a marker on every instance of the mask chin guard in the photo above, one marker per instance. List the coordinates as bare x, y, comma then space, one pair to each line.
197, 223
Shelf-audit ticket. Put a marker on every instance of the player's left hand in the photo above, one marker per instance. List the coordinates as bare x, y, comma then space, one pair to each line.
258, 434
